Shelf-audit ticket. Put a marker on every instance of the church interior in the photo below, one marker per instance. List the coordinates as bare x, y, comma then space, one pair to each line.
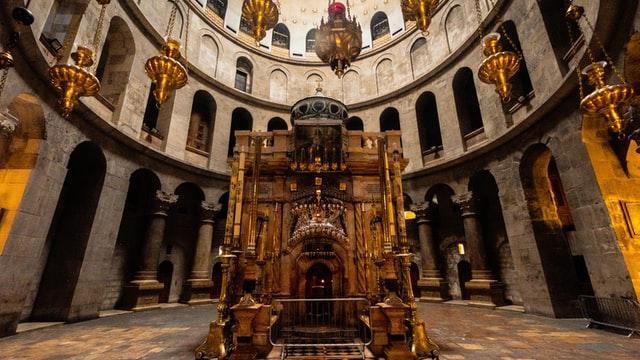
349, 179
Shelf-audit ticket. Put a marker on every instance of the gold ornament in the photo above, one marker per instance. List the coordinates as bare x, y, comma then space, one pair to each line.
262, 15
419, 11
499, 66
339, 40
166, 72
74, 81
606, 99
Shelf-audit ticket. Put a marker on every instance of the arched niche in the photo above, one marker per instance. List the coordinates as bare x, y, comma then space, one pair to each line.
240, 120
201, 122
384, 76
390, 120
277, 123
208, 55
419, 55
467, 104
278, 83
351, 87
354, 123
244, 75
428, 126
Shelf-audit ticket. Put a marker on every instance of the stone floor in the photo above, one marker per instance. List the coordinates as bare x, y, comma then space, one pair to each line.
463, 332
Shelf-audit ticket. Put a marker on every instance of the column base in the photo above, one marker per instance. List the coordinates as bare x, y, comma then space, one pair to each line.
433, 290
197, 292
140, 295
487, 291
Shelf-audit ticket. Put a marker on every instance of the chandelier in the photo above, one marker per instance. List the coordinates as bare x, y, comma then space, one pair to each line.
419, 11
73, 81
165, 70
605, 100
499, 66
262, 15
339, 40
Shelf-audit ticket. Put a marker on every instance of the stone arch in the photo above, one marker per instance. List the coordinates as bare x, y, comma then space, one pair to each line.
354, 123
549, 214
244, 74
467, 104
379, 26
419, 55
351, 86
390, 120
208, 55
241, 119
560, 36
278, 83
69, 235
23, 132
428, 126
455, 26
277, 123
115, 62
522, 89
201, 122
143, 185
384, 75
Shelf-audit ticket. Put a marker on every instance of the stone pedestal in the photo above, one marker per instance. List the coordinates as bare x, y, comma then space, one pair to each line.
243, 331
397, 347
433, 287
197, 289
483, 286
144, 291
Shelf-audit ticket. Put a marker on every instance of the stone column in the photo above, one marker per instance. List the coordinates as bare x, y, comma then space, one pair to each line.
483, 286
143, 292
433, 287
197, 289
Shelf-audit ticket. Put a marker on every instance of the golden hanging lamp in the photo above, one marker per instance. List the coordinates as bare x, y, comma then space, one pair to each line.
419, 11
499, 66
74, 81
605, 100
262, 15
339, 40
165, 70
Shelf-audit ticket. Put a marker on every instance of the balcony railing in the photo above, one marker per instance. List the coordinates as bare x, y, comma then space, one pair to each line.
618, 313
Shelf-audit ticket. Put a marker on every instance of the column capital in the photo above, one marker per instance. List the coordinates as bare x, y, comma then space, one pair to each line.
163, 202
209, 210
424, 212
466, 202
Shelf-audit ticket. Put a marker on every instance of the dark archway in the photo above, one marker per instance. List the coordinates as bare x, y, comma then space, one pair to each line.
69, 233
240, 120
165, 277
277, 123
379, 26
354, 123
202, 122
390, 120
487, 204
467, 104
522, 89
428, 125
563, 34
545, 200
143, 185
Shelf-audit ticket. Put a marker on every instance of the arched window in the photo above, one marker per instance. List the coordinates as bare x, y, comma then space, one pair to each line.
390, 120
354, 123
428, 124
379, 26
203, 116
219, 7
277, 124
240, 120
245, 26
522, 87
60, 25
244, 75
156, 120
281, 37
564, 38
115, 61
467, 105
419, 57
311, 41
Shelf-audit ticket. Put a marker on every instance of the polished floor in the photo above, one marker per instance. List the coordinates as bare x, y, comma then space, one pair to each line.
463, 332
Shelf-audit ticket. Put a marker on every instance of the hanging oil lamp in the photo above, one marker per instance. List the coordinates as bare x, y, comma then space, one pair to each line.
605, 100
339, 40
499, 66
419, 11
74, 81
165, 70
262, 15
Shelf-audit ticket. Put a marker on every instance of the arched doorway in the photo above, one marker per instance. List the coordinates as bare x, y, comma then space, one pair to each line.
319, 285
69, 233
165, 276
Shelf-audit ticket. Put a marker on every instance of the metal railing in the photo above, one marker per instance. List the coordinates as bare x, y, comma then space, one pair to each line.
618, 313
317, 324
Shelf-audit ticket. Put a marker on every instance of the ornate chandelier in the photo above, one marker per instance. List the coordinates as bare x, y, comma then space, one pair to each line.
339, 40
419, 11
262, 15
499, 66
605, 100
165, 70
73, 81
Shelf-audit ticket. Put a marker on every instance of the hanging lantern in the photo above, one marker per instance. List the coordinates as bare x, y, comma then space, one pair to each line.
419, 11
499, 66
165, 70
262, 15
606, 99
74, 81
339, 40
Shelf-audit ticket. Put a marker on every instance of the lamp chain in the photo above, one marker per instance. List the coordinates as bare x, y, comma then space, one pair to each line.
172, 20
572, 42
3, 79
480, 30
511, 42
98, 34
604, 51
186, 41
